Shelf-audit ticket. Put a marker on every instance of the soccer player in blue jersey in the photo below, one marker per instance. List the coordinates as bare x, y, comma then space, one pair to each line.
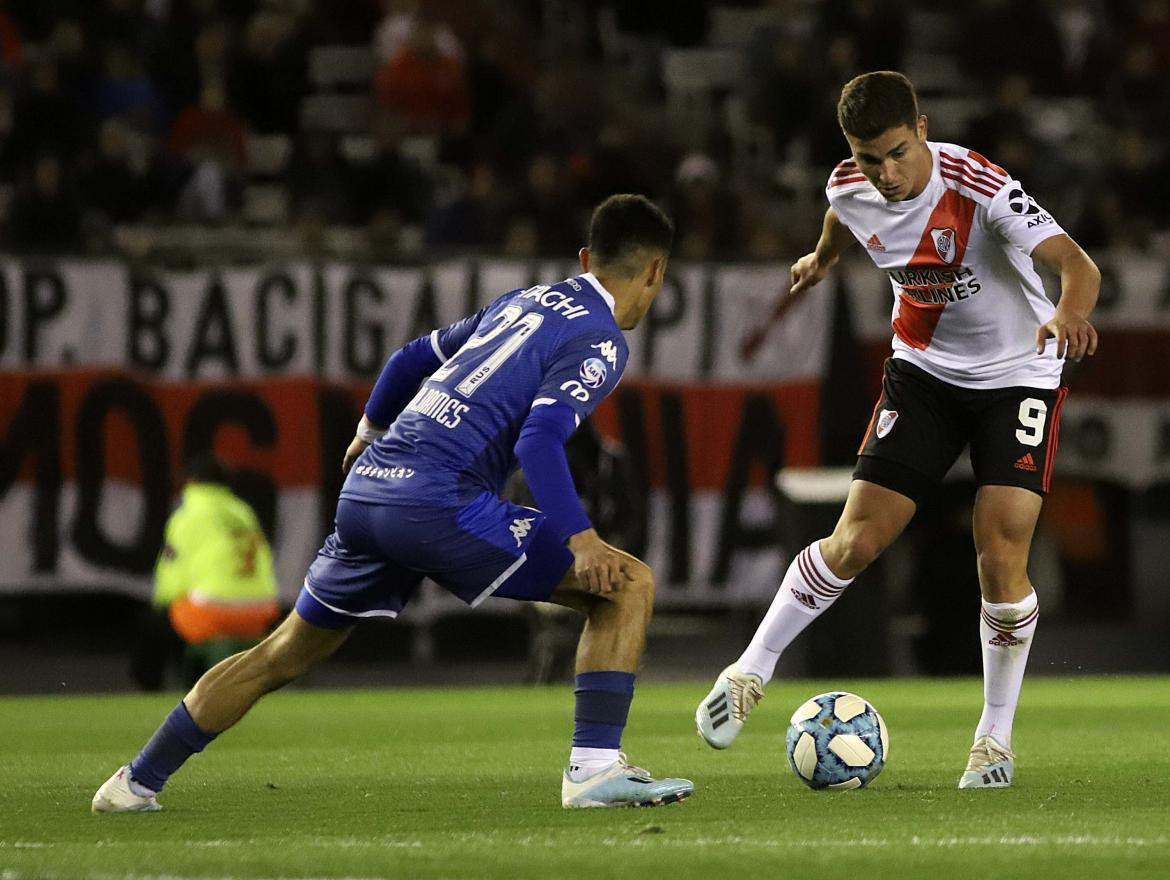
448, 420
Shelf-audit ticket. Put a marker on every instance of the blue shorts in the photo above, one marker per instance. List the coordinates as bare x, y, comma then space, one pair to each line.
378, 554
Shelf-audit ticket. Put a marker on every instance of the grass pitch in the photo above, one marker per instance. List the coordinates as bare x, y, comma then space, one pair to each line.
466, 783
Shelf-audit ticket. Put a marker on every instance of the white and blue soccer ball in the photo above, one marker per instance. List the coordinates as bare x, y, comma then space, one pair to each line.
837, 740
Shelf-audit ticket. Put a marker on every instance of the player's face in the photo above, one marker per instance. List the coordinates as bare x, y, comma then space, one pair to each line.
897, 162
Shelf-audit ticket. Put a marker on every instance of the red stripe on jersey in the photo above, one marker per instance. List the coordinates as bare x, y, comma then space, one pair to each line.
971, 168
1053, 438
955, 212
967, 182
947, 168
982, 179
916, 321
838, 182
845, 163
951, 218
985, 162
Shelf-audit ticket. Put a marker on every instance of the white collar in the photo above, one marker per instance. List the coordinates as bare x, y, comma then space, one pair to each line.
597, 285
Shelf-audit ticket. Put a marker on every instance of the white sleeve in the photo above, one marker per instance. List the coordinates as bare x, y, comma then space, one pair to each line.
1018, 219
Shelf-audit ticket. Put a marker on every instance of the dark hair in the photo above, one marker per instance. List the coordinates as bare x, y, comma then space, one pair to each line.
876, 102
626, 223
204, 467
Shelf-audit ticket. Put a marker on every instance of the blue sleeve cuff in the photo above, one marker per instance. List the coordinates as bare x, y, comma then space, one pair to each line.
541, 453
400, 379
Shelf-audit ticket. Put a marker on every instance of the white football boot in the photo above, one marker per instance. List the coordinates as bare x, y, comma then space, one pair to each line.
721, 715
623, 785
115, 796
989, 766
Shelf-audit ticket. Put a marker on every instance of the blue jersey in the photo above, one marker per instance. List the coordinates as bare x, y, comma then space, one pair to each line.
455, 439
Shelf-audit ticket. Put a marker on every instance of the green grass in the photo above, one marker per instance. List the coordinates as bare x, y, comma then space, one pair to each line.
465, 783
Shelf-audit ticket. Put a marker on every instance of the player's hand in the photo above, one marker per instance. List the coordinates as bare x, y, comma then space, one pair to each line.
807, 272
599, 567
356, 447
803, 274
1075, 336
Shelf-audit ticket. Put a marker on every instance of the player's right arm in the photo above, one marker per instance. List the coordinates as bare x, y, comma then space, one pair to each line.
812, 268
804, 274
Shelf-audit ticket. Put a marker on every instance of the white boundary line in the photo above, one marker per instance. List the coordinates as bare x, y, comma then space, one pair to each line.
556, 839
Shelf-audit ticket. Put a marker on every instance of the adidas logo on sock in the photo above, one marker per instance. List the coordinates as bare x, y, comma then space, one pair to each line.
805, 599
719, 712
1004, 640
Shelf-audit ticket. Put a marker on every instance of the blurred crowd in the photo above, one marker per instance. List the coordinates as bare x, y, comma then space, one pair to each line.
495, 125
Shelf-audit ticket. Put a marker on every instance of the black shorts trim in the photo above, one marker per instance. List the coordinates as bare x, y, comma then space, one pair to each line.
894, 476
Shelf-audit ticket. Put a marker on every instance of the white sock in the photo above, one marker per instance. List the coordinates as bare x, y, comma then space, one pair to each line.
139, 790
808, 589
1005, 630
585, 762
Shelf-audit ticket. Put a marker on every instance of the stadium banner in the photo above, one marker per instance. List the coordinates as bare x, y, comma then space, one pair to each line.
111, 377
341, 322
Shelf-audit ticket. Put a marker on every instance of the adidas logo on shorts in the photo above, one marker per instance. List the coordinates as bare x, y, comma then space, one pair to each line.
1025, 463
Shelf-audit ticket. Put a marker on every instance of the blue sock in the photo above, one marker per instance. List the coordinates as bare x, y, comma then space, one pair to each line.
603, 703
176, 740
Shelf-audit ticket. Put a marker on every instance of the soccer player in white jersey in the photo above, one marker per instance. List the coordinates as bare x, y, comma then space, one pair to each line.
977, 355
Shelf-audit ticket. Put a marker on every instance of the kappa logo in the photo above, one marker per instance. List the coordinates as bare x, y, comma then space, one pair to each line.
886, 421
608, 351
944, 243
875, 244
520, 529
593, 373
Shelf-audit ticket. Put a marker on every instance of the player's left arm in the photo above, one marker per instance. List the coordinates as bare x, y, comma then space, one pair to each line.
583, 372
403, 373
1021, 222
1080, 282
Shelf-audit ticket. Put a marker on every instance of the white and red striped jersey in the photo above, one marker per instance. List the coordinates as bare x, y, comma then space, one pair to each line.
967, 300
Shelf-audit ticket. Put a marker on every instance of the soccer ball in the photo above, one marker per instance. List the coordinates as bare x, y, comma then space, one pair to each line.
837, 740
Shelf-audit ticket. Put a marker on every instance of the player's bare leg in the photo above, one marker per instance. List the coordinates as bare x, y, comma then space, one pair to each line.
607, 658
219, 699
1004, 522
872, 519
615, 626
230, 688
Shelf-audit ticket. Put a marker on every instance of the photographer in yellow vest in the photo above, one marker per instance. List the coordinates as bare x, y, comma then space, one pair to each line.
214, 576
